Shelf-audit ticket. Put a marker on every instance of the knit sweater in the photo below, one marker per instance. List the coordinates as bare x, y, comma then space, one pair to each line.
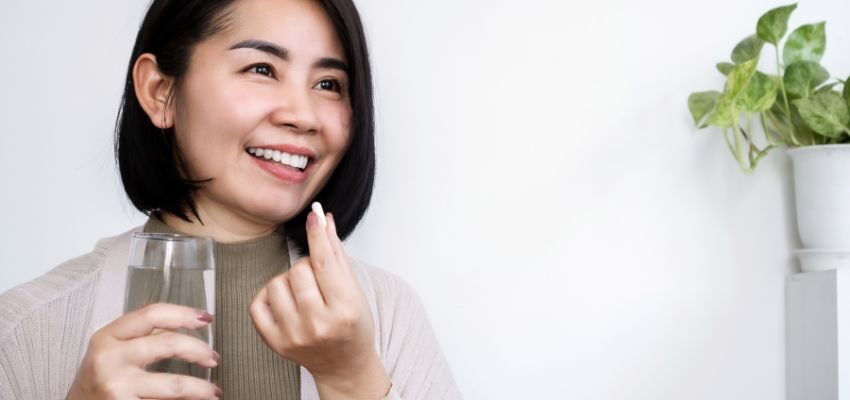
46, 324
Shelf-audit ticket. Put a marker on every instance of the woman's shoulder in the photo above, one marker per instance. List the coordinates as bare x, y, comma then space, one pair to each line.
404, 336
63, 289
390, 296
382, 281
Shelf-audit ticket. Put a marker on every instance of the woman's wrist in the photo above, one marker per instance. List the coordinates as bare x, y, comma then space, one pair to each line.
371, 381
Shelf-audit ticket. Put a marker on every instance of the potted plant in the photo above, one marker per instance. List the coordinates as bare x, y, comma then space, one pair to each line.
800, 107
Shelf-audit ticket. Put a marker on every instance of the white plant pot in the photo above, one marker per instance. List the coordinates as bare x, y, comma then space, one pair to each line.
822, 191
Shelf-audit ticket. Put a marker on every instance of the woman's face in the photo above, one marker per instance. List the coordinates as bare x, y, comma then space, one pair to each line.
274, 80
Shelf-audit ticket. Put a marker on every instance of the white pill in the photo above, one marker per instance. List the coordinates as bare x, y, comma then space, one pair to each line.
317, 208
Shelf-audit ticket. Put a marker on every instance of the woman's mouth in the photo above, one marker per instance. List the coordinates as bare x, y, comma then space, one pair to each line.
289, 167
291, 160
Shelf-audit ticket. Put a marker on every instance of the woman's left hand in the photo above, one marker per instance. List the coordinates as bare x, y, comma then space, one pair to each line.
317, 315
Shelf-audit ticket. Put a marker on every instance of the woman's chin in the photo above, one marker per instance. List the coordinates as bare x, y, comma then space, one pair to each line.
274, 215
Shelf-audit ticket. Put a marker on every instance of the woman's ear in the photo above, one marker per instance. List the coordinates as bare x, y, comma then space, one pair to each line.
154, 91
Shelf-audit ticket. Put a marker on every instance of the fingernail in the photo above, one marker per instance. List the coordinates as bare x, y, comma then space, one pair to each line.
204, 316
218, 392
332, 222
216, 357
311, 220
320, 213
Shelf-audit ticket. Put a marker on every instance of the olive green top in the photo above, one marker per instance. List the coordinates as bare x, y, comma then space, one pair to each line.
249, 369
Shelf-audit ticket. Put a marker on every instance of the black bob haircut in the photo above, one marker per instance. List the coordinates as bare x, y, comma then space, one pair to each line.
152, 168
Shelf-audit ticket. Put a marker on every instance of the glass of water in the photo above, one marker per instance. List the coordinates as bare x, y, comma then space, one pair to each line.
176, 269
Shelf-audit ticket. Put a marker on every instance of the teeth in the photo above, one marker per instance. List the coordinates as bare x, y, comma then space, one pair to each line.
278, 156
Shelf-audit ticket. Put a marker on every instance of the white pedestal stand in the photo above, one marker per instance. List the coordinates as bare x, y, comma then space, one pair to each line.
818, 335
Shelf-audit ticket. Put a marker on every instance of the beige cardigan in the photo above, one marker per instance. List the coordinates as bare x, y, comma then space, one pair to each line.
45, 326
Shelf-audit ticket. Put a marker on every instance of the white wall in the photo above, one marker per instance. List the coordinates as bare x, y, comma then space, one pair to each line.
540, 183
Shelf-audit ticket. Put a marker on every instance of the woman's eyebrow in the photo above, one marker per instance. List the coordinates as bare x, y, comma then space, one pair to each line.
263, 46
331, 63
283, 54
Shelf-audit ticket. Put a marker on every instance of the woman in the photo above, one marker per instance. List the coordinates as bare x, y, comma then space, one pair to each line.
236, 116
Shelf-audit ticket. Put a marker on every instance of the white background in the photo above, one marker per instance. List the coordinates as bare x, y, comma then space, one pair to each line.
540, 184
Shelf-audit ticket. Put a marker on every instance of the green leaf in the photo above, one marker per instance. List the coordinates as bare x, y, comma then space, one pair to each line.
805, 135
738, 78
826, 113
801, 78
778, 122
724, 107
774, 23
725, 67
747, 49
806, 43
722, 115
847, 91
826, 88
701, 104
758, 95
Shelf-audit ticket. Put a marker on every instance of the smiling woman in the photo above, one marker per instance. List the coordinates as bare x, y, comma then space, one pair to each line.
236, 116
271, 75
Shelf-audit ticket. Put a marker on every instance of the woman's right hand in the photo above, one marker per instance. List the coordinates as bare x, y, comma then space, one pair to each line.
114, 364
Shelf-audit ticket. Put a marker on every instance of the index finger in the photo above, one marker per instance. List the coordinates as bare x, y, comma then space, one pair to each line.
143, 321
321, 251
331, 279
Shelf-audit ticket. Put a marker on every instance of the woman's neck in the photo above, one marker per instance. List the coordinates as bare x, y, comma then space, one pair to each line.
220, 224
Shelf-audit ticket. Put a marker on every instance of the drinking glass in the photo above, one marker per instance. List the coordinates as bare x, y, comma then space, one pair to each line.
176, 269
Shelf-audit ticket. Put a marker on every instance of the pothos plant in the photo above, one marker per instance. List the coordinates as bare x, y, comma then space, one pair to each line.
799, 106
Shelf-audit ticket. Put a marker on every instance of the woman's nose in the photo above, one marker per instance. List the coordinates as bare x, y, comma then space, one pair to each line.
296, 110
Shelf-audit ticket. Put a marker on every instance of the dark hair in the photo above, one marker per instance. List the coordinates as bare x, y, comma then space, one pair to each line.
152, 168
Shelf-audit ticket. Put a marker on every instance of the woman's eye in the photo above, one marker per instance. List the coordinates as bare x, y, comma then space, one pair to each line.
330, 84
262, 69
